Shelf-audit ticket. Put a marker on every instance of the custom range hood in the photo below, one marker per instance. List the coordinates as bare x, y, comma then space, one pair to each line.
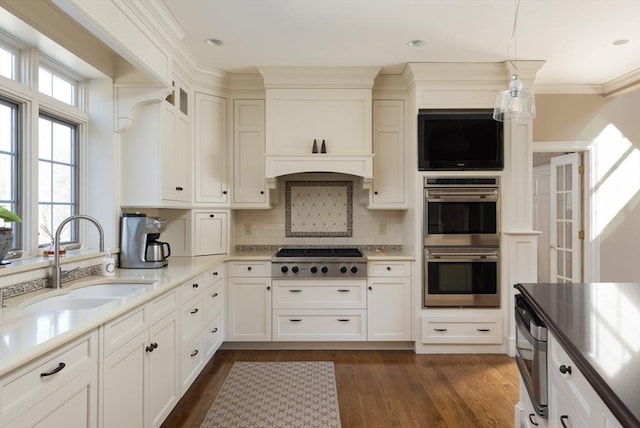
318, 119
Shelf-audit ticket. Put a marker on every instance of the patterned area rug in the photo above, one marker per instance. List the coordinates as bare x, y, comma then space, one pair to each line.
276, 394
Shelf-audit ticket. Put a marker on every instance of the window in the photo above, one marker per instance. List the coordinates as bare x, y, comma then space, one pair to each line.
9, 162
7, 63
57, 177
56, 86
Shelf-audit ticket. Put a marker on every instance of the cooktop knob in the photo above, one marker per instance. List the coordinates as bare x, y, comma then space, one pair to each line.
313, 269
354, 269
284, 269
343, 269
294, 269
324, 269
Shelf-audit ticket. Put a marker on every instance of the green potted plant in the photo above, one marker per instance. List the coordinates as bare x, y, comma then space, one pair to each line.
6, 233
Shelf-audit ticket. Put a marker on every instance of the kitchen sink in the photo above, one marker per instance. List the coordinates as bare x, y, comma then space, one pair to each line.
87, 295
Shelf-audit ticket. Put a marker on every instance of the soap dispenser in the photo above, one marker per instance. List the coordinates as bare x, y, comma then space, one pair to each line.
108, 267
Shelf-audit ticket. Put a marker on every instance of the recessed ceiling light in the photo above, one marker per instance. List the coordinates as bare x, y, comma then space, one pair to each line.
214, 42
620, 42
415, 43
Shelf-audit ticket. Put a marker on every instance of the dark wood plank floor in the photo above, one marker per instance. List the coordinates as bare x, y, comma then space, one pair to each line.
386, 388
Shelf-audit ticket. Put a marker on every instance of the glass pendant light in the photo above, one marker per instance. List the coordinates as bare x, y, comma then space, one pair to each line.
516, 102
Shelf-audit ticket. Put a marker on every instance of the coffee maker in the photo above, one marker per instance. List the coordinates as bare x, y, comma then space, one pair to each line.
139, 245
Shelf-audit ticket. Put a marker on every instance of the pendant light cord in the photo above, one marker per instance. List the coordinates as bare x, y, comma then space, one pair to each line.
513, 37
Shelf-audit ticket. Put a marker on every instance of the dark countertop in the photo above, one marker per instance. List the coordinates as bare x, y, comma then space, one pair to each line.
598, 325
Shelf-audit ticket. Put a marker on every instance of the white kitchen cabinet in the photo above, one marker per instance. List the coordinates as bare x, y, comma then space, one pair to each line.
67, 395
156, 154
210, 232
340, 117
572, 400
526, 416
389, 183
461, 329
249, 302
140, 379
210, 135
389, 301
249, 182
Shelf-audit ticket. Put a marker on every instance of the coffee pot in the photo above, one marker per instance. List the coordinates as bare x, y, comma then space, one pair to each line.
156, 251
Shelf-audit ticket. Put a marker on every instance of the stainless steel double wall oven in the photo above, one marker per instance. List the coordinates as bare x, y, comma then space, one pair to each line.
461, 242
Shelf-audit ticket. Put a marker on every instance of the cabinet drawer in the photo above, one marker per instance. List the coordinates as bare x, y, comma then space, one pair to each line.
319, 325
310, 294
216, 274
192, 318
26, 387
478, 330
122, 329
249, 268
193, 287
214, 301
390, 268
161, 306
213, 336
192, 362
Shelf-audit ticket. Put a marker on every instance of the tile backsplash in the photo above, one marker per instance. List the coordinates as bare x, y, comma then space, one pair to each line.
319, 209
269, 227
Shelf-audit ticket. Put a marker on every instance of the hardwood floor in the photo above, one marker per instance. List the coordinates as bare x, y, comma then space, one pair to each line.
386, 388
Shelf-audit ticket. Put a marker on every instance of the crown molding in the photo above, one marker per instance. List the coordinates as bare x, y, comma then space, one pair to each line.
623, 84
318, 77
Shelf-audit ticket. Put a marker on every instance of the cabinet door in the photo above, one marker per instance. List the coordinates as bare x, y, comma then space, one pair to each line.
163, 378
388, 160
389, 309
249, 309
123, 384
211, 181
73, 405
210, 233
249, 186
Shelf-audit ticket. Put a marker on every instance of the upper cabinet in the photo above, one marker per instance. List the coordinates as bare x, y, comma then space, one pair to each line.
211, 176
249, 184
388, 190
156, 154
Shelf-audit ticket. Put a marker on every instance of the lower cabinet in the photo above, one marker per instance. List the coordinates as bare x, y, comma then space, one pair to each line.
249, 302
140, 379
389, 301
459, 329
59, 389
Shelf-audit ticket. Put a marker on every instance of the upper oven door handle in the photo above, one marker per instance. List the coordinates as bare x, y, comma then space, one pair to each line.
444, 256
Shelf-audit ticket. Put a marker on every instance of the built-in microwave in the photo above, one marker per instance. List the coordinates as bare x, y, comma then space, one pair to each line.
461, 211
459, 140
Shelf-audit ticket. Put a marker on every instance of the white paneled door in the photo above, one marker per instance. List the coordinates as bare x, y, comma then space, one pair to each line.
566, 234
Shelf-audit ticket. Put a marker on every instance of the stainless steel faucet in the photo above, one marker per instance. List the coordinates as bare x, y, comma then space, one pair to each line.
56, 272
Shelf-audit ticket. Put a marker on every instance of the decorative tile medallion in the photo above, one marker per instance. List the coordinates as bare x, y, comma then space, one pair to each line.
319, 208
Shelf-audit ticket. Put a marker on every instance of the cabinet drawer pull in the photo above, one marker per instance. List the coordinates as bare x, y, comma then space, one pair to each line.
295, 290
54, 371
214, 295
344, 319
151, 347
440, 329
215, 273
212, 215
565, 369
562, 419
343, 290
533, 421
248, 267
195, 285
179, 188
483, 329
195, 311
224, 192
295, 319
388, 267
194, 353
215, 330
262, 192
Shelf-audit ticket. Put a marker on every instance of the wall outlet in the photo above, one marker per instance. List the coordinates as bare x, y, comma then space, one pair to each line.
248, 229
382, 229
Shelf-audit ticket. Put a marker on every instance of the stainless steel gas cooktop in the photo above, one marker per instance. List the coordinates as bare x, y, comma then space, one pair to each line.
321, 262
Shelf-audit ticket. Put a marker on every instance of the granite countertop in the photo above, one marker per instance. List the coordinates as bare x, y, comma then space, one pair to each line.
598, 325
